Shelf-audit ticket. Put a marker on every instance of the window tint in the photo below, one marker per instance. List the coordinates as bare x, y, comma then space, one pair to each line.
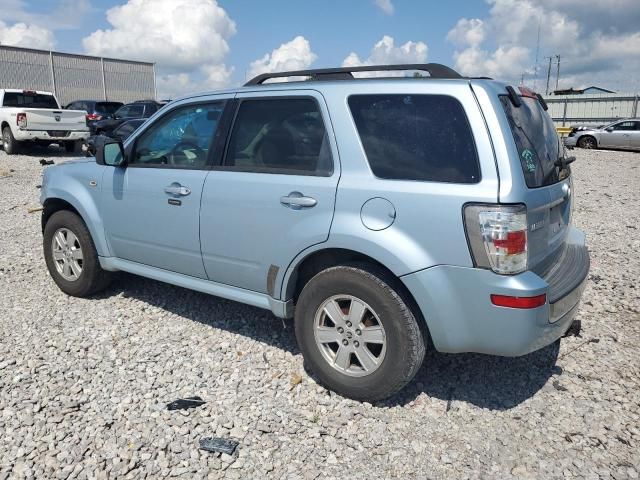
416, 137
107, 107
182, 138
135, 111
536, 140
624, 126
280, 135
124, 130
29, 100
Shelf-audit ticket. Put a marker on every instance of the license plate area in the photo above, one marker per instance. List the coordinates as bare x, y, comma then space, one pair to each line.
57, 133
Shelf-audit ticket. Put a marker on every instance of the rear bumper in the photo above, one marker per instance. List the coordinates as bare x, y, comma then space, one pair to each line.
570, 141
456, 304
43, 135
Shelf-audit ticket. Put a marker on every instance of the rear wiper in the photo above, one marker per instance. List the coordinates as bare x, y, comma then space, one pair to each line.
564, 161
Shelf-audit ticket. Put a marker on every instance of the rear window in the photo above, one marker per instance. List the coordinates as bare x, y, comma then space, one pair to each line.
29, 100
107, 107
536, 140
416, 137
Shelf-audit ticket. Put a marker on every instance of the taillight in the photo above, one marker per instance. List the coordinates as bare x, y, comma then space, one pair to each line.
497, 235
93, 116
21, 120
519, 302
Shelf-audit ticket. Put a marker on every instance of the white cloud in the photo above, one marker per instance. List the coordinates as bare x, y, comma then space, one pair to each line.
187, 39
24, 35
293, 55
385, 5
595, 43
385, 52
173, 33
467, 32
51, 15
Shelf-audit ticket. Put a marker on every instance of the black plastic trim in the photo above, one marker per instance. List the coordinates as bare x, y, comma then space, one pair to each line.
435, 70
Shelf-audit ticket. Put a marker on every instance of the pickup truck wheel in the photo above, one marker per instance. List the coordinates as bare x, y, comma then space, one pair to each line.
357, 334
73, 147
9, 143
71, 256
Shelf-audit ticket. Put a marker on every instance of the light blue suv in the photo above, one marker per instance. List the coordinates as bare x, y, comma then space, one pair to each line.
383, 214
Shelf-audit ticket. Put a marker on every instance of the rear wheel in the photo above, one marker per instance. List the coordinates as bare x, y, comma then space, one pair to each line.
71, 256
73, 147
9, 143
357, 334
587, 142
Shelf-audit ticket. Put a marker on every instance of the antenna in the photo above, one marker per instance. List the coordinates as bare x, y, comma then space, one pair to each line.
548, 74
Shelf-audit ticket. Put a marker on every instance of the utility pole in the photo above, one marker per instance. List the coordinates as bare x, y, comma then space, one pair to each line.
548, 74
522, 79
558, 72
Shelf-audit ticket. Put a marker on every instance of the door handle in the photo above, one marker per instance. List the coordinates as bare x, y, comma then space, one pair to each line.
177, 189
297, 200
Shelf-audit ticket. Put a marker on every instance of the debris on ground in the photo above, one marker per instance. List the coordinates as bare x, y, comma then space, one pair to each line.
44, 162
185, 403
218, 445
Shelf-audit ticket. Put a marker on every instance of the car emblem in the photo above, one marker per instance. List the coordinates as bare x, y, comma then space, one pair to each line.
57, 117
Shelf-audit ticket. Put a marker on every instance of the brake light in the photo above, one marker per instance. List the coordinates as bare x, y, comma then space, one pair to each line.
497, 235
21, 120
519, 302
93, 116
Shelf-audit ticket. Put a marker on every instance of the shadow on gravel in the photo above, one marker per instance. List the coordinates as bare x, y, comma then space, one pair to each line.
494, 383
50, 152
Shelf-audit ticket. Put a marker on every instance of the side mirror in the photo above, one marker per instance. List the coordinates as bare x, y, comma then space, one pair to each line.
109, 151
609, 129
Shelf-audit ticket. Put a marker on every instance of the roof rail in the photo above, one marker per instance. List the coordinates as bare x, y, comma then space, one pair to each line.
435, 70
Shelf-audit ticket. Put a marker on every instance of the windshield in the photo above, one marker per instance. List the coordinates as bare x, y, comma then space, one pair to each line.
536, 140
29, 100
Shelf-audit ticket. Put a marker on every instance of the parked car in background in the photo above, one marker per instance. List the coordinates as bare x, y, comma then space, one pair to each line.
137, 109
36, 117
96, 109
121, 133
384, 215
623, 134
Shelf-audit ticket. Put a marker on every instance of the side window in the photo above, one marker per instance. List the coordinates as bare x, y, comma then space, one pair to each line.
280, 135
135, 111
624, 126
181, 138
122, 112
416, 137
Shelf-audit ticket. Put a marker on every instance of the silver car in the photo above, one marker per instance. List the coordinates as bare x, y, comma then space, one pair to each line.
619, 134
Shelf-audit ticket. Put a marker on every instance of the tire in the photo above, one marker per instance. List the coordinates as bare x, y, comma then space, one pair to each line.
91, 277
10, 144
587, 142
398, 358
73, 147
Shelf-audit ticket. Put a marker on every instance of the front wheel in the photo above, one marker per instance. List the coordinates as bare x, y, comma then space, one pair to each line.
9, 143
587, 142
357, 334
71, 256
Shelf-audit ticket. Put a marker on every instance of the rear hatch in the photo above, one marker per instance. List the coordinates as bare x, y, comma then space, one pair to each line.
548, 182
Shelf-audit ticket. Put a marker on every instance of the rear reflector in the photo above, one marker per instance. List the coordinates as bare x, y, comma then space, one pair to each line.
519, 302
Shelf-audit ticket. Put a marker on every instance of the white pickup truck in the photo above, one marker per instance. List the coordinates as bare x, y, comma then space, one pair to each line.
35, 116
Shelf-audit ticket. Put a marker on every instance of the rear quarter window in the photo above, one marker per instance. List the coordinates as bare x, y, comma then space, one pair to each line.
416, 137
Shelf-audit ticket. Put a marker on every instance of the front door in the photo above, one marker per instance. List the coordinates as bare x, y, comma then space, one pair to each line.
273, 196
617, 135
151, 207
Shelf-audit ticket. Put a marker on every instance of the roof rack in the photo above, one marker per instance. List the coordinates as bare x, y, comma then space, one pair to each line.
435, 70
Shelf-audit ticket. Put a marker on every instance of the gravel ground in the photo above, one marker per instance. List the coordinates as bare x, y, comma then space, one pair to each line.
84, 383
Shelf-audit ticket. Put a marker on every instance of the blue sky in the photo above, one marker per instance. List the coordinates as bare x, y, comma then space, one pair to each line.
204, 44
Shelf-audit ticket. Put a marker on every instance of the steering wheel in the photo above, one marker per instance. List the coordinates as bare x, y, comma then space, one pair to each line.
180, 147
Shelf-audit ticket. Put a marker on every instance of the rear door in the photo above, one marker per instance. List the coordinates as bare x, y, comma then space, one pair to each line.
273, 195
547, 189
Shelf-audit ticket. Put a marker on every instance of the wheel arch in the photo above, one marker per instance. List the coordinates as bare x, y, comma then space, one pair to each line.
316, 261
587, 135
86, 210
